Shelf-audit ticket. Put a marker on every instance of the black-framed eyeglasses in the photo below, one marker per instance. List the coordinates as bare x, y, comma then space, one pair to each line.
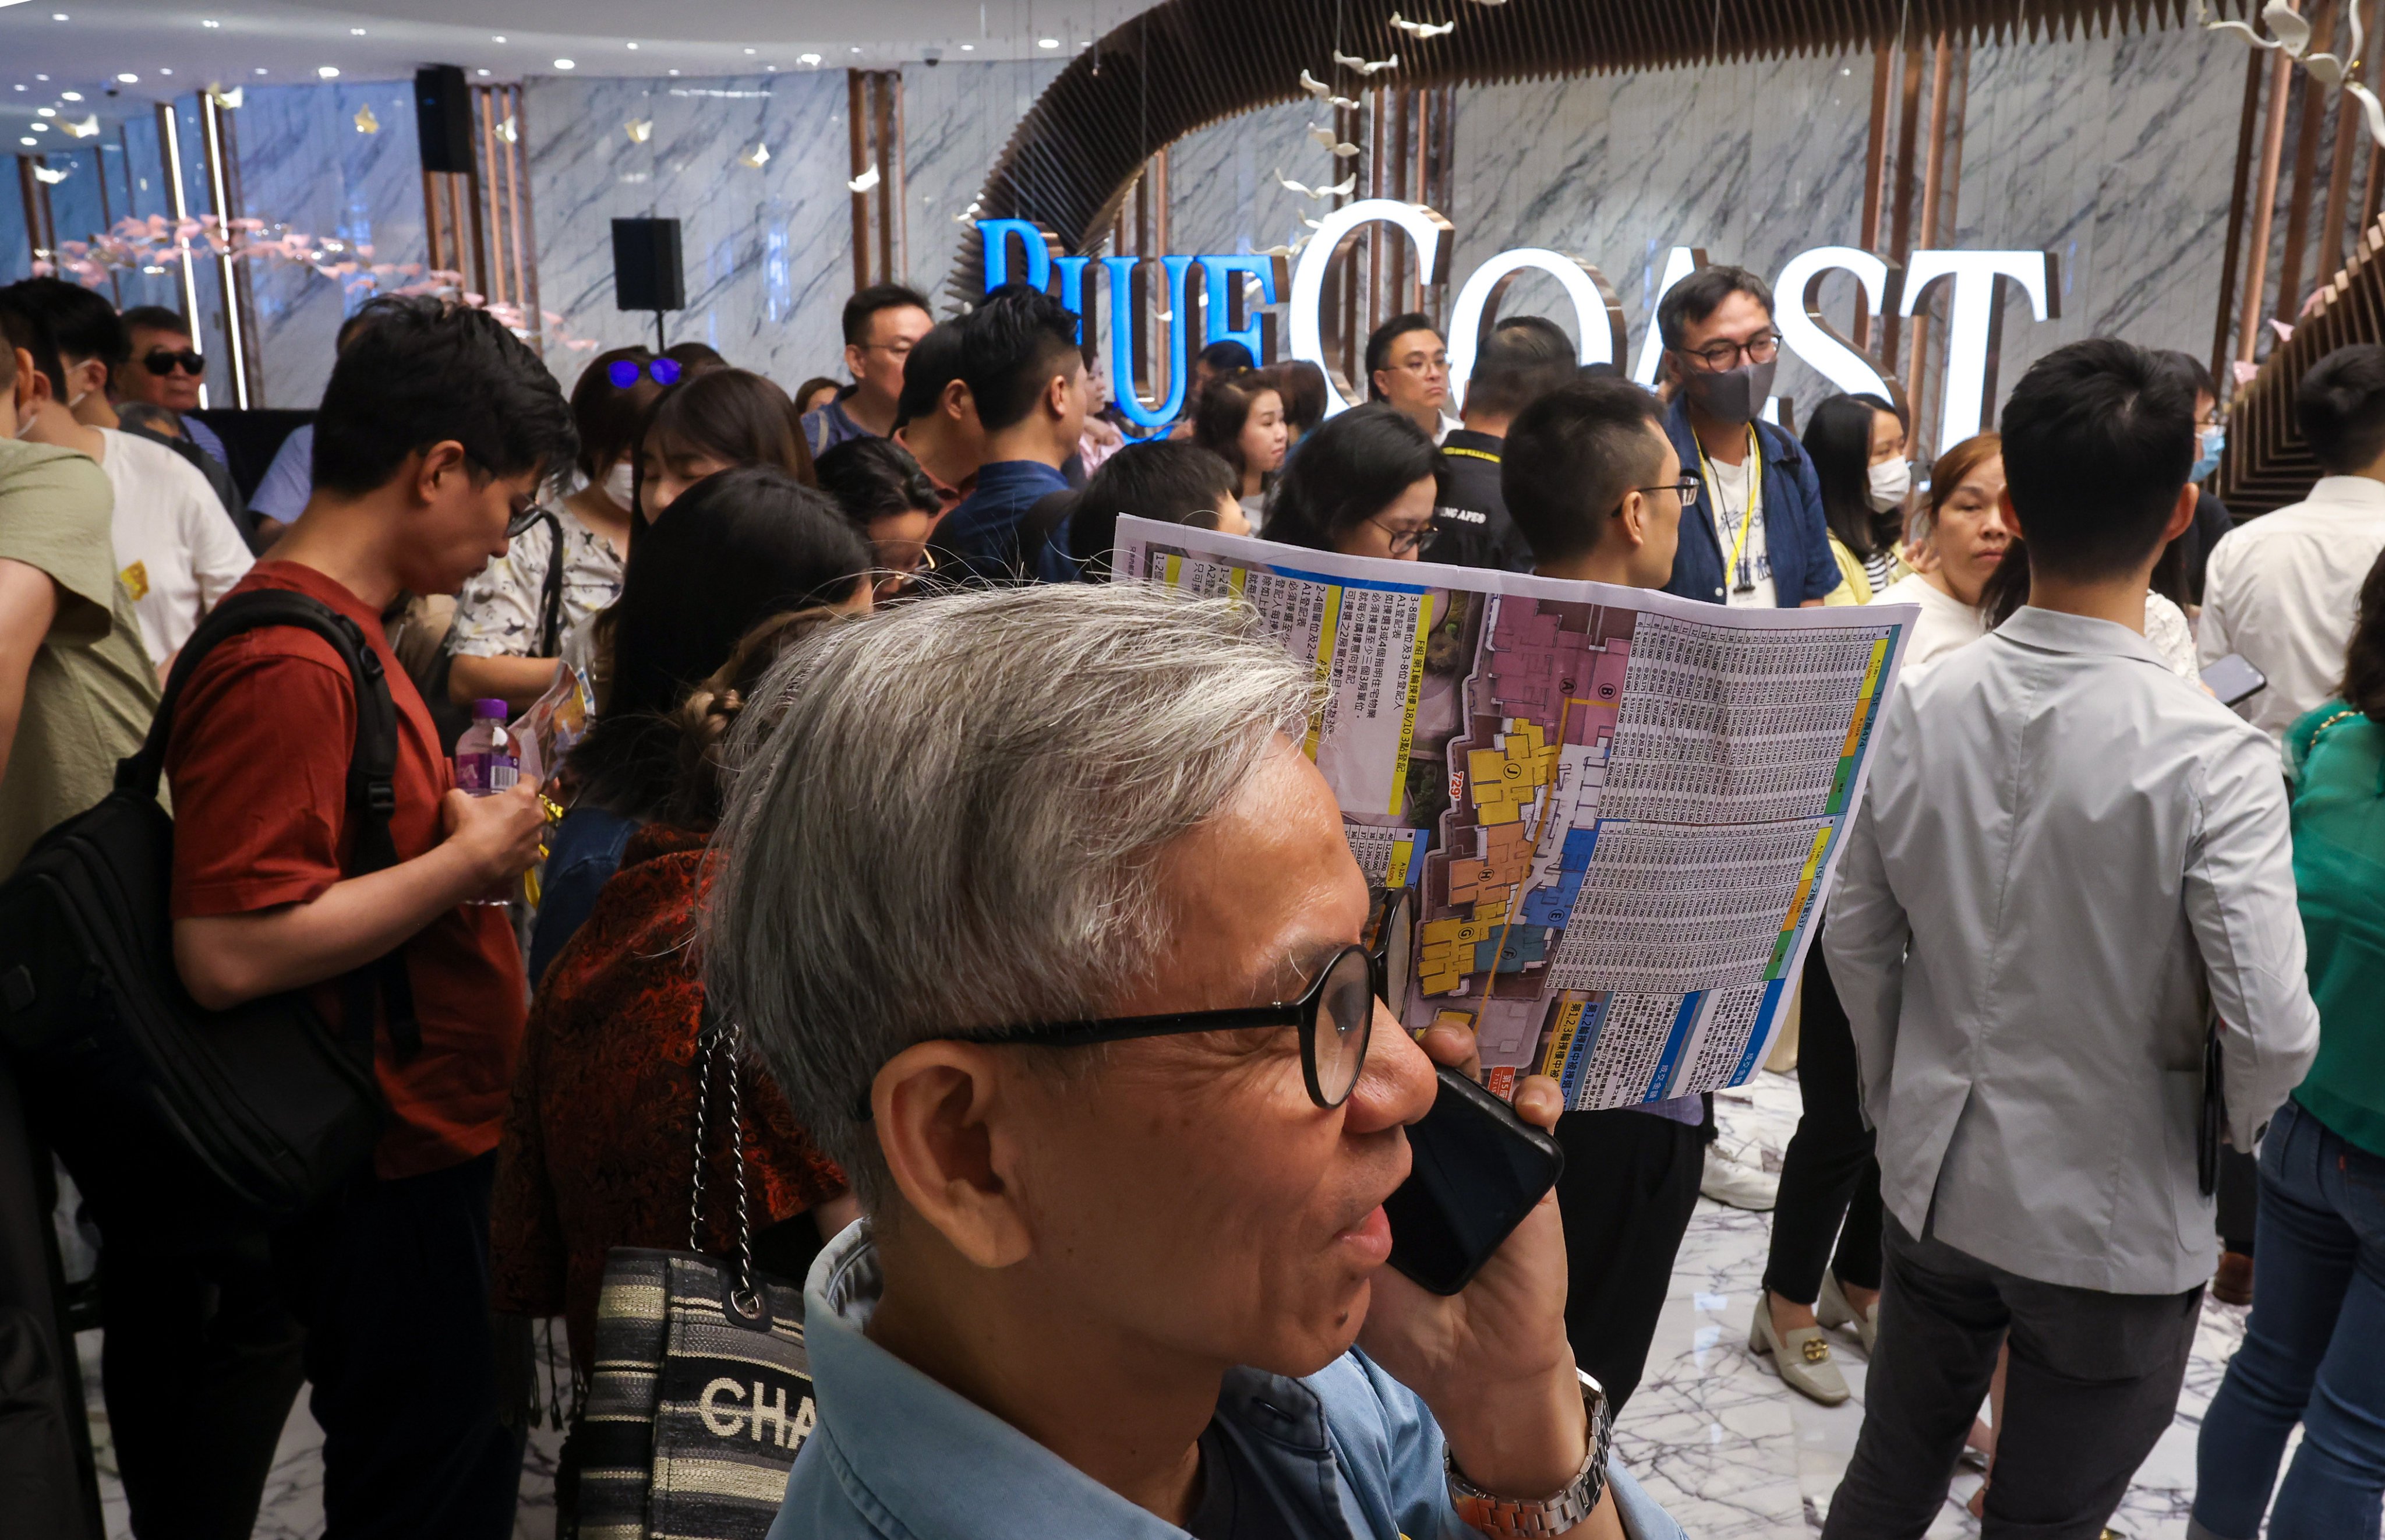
162, 362
1335, 1015
1723, 354
624, 372
1686, 489
1403, 541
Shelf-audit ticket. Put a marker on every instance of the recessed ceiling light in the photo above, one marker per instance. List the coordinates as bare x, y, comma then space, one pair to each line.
1047, 43
29, 139
211, 22
856, 50
674, 71
807, 59
58, 15
328, 72
566, 64
41, 77
772, 68
497, 39
65, 95
968, 48
45, 112
20, 85
355, 31
483, 71
129, 78
749, 50
632, 47
162, 71
260, 69
39, 128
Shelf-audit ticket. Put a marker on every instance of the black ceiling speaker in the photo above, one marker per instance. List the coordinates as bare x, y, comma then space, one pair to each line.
442, 117
646, 266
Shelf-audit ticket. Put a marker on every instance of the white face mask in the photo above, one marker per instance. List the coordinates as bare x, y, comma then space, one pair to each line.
621, 484
1891, 481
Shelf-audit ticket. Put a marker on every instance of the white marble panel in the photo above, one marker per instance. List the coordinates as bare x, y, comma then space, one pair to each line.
766, 251
1223, 189
957, 118
306, 166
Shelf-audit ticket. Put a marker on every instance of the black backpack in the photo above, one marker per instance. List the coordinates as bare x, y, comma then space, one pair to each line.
179, 1123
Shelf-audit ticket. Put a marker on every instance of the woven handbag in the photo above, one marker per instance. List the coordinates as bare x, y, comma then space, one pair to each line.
701, 1393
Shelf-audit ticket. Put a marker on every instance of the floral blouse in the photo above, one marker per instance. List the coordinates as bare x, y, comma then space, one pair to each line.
498, 614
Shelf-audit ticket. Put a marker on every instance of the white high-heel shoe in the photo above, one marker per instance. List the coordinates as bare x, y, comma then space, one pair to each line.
1833, 1309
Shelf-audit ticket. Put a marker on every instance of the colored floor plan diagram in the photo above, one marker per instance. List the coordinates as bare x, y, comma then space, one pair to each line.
1619, 811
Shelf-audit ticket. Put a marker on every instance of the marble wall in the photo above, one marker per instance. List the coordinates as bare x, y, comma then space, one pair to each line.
957, 118
306, 167
768, 250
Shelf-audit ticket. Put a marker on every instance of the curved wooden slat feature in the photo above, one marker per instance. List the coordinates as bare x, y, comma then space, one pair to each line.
2267, 464
1187, 63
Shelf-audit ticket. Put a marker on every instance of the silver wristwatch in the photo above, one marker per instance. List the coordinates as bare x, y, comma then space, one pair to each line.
1553, 1515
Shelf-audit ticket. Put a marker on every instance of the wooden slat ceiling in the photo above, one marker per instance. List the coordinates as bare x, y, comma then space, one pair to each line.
1187, 63
2267, 464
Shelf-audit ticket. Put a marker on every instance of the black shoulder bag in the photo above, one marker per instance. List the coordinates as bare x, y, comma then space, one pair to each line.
176, 1121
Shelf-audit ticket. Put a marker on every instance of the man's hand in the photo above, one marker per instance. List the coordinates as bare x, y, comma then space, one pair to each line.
1493, 1361
499, 833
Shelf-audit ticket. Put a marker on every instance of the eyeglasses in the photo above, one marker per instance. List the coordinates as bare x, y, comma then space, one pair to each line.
1403, 541
1419, 363
624, 372
1686, 489
160, 362
1335, 1015
893, 350
1720, 355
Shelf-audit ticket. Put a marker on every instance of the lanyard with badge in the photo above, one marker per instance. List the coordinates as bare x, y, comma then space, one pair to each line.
1742, 576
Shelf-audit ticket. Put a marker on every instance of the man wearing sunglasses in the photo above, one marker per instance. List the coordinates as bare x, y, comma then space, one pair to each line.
1077, 1001
165, 369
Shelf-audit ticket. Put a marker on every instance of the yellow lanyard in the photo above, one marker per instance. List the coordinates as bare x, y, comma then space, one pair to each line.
1754, 497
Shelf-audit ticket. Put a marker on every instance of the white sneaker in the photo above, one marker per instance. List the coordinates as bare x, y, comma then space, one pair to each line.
1738, 1183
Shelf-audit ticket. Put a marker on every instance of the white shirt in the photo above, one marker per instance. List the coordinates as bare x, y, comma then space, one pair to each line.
1947, 622
1727, 489
2285, 589
2062, 847
175, 546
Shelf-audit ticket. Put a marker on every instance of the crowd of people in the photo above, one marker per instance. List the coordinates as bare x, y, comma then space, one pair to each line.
885, 771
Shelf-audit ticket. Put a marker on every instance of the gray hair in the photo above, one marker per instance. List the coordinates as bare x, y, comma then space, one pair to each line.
949, 815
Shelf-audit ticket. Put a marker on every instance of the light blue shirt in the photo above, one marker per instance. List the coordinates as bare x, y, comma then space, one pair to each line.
290, 479
896, 1456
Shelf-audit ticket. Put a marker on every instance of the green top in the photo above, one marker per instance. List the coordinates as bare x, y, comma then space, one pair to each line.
2337, 758
90, 690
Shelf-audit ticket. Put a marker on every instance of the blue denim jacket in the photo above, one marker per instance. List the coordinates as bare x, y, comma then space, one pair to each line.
1797, 538
895, 1456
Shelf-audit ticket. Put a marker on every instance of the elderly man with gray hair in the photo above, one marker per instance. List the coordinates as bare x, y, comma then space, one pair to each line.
1135, 1289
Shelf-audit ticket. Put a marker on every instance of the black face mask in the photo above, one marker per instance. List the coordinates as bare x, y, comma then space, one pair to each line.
1733, 395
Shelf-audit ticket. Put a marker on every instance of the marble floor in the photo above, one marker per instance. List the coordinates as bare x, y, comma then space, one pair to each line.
1732, 1453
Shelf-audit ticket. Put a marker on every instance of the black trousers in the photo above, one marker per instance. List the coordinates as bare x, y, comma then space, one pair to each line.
382, 1303
1629, 1185
2094, 1380
2240, 1198
1827, 1174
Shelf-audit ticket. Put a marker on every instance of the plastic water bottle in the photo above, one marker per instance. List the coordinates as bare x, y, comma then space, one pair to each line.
487, 760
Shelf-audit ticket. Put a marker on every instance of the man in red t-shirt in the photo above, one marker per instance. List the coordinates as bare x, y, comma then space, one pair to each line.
436, 431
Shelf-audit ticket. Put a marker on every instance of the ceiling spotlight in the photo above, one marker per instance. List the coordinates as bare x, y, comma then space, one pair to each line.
566, 64
856, 49
355, 31
30, 140
39, 128
65, 95
326, 72
749, 50
45, 112
20, 85
162, 71
483, 71
968, 48
1047, 43
41, 77
211, 23
807, 59
260, 69
496, 39
631, 46
129, 78
58, 15
674, 71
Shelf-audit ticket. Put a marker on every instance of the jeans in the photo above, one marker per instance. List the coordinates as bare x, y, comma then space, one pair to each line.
2314, 1350
1828, 1174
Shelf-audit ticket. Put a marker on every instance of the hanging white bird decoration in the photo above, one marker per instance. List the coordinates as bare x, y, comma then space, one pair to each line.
1422, 29
1338, 190
639, 130
865, 181
1366, 67
87, 129
49, 178
1336, 147
758, 157
366, 121
1322, 91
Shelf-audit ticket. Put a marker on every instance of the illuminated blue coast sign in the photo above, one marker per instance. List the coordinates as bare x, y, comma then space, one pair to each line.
1226, 285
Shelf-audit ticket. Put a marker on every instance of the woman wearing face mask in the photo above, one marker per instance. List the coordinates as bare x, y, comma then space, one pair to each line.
512, 619
1857, 446
1363, 485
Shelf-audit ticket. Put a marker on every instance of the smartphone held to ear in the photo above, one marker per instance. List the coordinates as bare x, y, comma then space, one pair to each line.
1479, 1170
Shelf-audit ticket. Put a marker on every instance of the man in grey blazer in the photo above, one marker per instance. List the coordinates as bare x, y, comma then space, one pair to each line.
2069, 861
